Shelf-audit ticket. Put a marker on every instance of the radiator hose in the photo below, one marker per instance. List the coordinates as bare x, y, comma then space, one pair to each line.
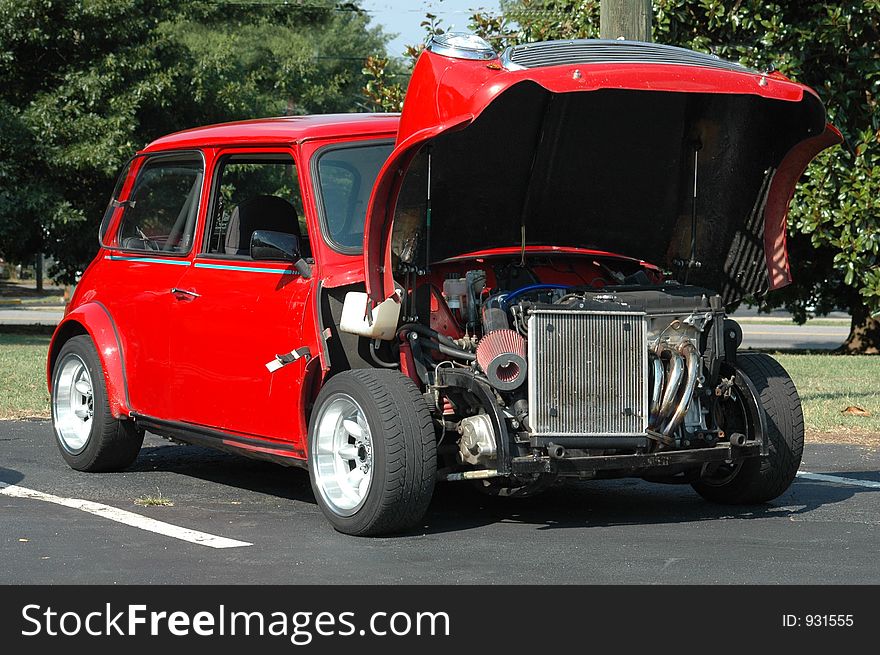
444, 344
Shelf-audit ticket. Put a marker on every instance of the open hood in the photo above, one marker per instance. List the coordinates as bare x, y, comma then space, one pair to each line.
598, 144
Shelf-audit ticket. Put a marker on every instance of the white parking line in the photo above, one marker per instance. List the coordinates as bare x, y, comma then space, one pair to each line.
821, 477
122, 516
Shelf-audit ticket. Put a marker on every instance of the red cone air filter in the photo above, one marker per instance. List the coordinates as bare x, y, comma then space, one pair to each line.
502, 357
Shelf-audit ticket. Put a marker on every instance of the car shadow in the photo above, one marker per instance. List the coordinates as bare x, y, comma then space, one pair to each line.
460, 506
870, 476
627, 502
10, 476
227, 469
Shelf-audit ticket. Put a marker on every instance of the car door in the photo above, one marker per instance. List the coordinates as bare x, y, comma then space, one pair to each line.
233, 315
147, 253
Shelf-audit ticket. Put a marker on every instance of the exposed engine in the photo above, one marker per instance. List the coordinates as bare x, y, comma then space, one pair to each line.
625, 367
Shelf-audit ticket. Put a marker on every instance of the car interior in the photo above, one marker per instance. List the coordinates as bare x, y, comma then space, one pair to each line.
254, 192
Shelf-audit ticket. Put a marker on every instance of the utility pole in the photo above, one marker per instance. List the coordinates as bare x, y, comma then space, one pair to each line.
38, 271
630, 19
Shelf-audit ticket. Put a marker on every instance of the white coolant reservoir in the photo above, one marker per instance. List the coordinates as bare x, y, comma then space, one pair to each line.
354, 317
455, 292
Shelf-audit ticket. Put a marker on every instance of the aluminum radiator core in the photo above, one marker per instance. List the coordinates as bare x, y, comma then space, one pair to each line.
588, 373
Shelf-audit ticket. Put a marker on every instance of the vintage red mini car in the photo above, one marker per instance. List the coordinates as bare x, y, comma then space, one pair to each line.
521, 278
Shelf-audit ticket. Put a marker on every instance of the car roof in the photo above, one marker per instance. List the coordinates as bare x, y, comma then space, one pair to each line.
283, 129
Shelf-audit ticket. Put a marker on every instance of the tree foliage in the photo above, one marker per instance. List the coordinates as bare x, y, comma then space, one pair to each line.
84, 84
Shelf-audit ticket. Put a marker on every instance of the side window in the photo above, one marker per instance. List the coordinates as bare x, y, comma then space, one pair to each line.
345, 180
161, 210
254, 192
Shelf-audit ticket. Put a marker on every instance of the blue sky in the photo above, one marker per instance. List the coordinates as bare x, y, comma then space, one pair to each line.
403, 18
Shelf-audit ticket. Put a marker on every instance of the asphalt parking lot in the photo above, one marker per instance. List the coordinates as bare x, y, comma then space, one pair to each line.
239, 521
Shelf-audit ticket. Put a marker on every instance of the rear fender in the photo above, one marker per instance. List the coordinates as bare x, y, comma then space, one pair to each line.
93, 319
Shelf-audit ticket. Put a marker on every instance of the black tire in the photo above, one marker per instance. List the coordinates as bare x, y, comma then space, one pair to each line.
112, 444
404, 460
761, 479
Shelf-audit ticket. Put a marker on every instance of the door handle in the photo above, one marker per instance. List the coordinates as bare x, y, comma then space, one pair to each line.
186, 292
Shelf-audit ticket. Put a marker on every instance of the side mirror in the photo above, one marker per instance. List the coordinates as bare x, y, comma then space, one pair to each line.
267, 245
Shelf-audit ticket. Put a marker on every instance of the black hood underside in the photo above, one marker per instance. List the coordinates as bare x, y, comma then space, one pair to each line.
614, 170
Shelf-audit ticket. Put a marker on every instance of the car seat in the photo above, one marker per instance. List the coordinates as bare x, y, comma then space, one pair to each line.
259, 213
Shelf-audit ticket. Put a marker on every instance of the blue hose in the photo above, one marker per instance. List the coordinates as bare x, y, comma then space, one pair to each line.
513, 295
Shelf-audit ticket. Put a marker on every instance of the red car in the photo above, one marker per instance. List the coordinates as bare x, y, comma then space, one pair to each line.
462, 292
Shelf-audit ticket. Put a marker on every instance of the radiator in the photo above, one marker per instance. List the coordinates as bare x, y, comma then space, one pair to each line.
588, 373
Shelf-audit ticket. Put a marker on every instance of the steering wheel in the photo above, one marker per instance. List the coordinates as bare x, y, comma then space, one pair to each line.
148, 242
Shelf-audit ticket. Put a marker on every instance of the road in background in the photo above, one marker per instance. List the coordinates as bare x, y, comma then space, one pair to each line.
776, 331
765, 332
27, 316
788, 336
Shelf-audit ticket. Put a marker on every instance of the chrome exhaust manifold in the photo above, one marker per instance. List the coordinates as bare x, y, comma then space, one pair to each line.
672, 387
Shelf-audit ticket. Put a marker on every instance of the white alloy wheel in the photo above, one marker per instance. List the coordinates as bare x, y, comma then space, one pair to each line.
89, 437
372, 452
73, 404
343, 454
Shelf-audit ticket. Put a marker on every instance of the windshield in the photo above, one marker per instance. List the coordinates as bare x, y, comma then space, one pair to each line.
345, 177
114, 204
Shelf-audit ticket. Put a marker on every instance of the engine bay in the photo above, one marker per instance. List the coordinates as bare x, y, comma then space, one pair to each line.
573, 354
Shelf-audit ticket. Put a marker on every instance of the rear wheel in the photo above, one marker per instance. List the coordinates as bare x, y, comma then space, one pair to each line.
88, 436
372, 452
760, 479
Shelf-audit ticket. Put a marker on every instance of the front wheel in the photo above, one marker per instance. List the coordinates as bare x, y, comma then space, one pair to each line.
88, 436
372, 452
761, 479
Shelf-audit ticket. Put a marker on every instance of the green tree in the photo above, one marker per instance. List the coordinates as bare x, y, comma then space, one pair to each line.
85, 83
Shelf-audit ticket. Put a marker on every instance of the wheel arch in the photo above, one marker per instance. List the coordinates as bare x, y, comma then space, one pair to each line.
757, 415
94, 320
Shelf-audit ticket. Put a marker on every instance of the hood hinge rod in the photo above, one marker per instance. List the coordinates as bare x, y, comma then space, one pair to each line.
692, 260
428, 216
